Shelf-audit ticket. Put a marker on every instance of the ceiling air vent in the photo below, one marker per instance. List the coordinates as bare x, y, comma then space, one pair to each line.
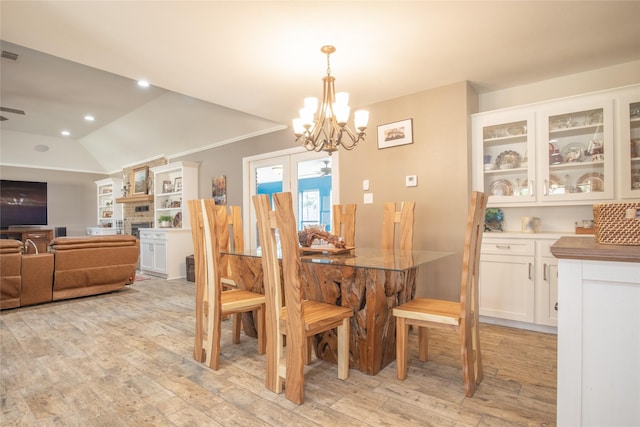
9, 55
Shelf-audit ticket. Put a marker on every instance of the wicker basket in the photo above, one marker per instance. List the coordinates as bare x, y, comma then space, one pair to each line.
617, 223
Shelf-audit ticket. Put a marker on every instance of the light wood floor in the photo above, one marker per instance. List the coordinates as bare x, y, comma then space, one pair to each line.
124, 359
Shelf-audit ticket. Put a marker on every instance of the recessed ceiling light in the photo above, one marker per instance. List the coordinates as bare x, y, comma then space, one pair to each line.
143, 83
89, 118
41, 148
65, 133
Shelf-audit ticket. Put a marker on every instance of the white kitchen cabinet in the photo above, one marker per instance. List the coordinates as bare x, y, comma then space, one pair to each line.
504, 152
598, 330
108, 211
559, 152
519, 280
546, 284
507, 279
629, 129
163, 251
577, 138
174, 184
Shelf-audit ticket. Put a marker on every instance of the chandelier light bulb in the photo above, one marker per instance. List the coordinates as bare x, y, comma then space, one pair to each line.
361, 119
298, 127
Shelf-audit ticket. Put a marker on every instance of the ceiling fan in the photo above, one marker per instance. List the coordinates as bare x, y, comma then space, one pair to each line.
326, 170
10, 110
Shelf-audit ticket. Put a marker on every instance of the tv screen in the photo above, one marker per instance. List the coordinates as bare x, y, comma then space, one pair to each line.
22, 203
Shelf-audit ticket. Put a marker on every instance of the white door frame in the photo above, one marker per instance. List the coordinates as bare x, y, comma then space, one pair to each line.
295, 155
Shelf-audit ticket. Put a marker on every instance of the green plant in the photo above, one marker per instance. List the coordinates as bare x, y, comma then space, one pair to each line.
165, 218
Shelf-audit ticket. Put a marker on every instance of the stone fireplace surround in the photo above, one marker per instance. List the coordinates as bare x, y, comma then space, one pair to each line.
133, 217
130, 215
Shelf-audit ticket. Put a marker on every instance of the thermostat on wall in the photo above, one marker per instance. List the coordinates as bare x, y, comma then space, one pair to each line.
411, 181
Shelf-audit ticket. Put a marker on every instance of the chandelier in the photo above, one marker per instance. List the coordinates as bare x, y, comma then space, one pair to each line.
322, 129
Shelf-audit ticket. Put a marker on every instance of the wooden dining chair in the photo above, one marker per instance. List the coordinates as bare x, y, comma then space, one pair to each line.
403, 217
343, 223
230, 236
462, 315
211, 301
301, 318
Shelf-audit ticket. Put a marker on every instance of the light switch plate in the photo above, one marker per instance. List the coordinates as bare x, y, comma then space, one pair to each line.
411, 181
368, 198
365, 184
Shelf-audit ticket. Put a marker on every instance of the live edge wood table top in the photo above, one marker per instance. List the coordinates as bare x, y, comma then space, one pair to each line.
368, 280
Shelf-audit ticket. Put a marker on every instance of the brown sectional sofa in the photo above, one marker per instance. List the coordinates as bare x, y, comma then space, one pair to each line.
74, 267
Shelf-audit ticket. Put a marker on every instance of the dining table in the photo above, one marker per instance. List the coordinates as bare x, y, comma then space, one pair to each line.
370, 281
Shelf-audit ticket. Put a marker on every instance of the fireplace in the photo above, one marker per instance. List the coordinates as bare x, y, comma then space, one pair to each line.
136, 226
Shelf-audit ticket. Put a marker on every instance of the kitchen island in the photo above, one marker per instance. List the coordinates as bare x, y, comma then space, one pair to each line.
598, 333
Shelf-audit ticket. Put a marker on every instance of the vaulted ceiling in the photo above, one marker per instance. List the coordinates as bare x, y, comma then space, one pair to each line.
225, 71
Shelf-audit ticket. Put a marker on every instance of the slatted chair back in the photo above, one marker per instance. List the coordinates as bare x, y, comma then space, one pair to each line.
404, 218
343, 223
267, 226
208, 288
212, 303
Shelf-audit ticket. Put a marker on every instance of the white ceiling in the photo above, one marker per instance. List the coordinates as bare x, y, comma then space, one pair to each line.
244, 67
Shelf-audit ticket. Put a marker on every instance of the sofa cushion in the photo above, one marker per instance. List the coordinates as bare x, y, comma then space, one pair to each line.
70, 243
10, 246
92, 265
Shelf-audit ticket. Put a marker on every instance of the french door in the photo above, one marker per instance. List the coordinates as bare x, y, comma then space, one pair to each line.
312, 179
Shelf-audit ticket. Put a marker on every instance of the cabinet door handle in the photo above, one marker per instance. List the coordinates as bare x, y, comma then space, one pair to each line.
530, 265
532, 188
503, 246
555, 307
545, 192
544, 272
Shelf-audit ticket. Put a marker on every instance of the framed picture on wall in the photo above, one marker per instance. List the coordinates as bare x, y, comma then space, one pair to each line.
139, 178
219, 190
396, 133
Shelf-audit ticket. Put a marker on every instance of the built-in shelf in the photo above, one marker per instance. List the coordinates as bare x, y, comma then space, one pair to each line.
136, 199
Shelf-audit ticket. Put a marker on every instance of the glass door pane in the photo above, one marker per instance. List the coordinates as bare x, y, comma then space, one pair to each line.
314, 193
309, 176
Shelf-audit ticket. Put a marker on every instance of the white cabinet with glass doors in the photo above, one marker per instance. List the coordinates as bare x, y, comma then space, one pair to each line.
504, 153
629, 128
580, 154
558, 152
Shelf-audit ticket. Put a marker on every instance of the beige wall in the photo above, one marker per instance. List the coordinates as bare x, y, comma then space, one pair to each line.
439, 156
569, 85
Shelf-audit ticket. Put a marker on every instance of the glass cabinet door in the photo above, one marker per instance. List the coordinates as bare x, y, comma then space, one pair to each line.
630, 158
507, 155
577, 164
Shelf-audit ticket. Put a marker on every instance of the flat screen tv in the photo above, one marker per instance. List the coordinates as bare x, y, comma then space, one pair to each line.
22, 203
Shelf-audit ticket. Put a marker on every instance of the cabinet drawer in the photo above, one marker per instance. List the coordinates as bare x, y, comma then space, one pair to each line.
36, 236
507, 247
544, 247
152, 235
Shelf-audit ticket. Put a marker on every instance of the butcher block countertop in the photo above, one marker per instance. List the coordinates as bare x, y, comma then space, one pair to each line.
570, 247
